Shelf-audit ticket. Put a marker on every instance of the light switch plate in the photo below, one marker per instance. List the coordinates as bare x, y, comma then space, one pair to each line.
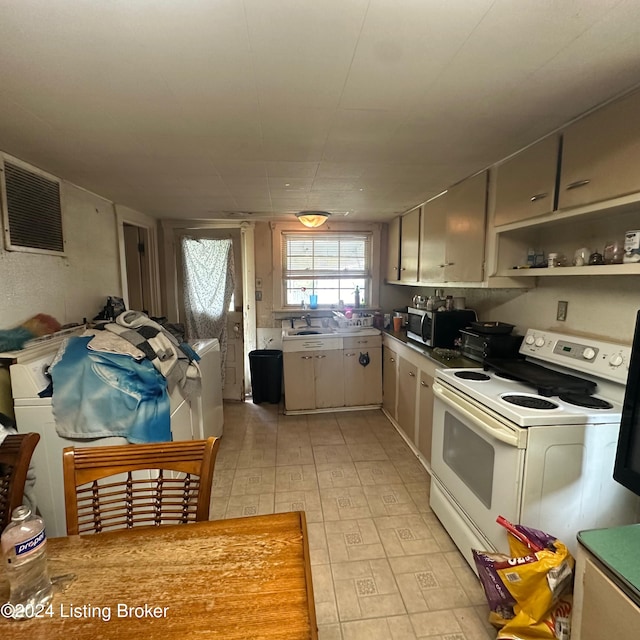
562, 310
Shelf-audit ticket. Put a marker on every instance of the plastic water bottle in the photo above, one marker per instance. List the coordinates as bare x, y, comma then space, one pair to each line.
24, 549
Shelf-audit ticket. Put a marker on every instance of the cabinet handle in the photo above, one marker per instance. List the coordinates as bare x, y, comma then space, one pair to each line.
395, 268
403, 268
411, 374
539, 196
307, 357
362, 342
321, 356
423, 383
447, 264
577, 183
392, 359
349, 354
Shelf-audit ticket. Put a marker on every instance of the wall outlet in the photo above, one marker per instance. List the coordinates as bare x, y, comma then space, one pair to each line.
562, 310
258, 296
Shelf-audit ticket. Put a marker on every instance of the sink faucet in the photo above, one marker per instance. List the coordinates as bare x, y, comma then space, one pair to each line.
307, 319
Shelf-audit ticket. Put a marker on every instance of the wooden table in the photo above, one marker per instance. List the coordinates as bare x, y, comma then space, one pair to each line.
226, 579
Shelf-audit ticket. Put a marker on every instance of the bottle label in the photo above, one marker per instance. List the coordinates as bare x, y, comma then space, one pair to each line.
23, 548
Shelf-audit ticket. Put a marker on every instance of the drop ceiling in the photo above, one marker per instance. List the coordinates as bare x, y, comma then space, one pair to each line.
261, 108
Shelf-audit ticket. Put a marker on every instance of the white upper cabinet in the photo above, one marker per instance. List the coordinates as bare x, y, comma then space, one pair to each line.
433, 234
601, 155
393, 251
466, 215
409, 241
526, 183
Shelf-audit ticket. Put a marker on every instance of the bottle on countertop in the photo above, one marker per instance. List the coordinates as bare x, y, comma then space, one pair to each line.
357, 297
24, 550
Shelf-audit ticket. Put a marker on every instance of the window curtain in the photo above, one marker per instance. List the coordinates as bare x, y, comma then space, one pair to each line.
209, 280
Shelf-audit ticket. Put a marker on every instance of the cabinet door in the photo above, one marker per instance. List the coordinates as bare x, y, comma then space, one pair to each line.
466, 210
525, 185
407, 391
393, 250
389, 380
329, 379
299, 380
433, 230
606, 611
362, 384
601, 154
425, 415
409, 240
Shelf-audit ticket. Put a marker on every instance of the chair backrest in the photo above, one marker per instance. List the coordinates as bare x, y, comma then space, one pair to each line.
15, 455
107, 488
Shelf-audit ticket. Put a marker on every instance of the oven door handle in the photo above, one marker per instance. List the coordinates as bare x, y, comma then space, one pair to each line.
484, 422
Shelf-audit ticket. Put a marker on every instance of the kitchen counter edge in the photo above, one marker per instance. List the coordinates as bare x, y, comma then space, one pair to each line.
427, 352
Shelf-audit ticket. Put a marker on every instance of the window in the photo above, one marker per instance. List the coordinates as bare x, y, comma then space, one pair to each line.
330, 265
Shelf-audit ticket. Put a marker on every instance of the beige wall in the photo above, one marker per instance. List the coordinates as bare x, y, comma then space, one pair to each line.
69, 288
264, 272
602, 306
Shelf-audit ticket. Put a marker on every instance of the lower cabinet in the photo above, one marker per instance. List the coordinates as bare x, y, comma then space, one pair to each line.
407, 391
334, 378
425, 415
601, 609
389, 380
362, 376
313, 379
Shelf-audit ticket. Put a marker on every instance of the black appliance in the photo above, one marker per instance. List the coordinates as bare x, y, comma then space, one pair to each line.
626, 470
547, 382
479, 346
438, 328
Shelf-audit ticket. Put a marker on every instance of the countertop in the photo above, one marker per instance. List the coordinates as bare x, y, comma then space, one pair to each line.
617, 549
456, 363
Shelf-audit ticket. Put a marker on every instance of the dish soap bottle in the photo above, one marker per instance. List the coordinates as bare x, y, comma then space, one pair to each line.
357, 296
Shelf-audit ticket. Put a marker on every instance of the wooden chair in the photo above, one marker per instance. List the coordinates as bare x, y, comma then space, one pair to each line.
15, 455
107, 488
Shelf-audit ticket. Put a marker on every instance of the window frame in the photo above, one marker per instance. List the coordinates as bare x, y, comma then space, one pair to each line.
339, 228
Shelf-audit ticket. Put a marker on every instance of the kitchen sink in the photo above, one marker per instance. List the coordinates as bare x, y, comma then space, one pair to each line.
308, 331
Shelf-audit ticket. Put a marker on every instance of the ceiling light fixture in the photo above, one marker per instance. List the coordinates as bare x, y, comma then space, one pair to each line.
313, 218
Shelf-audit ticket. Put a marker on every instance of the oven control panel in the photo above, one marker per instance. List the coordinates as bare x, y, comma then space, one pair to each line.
602, 359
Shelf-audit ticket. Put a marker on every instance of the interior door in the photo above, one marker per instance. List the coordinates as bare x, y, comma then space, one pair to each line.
233, 388
234, 365
137, 268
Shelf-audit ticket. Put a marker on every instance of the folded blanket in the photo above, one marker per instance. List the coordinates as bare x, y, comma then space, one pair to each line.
175, 361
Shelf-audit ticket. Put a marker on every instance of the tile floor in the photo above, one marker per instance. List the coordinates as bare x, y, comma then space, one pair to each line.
383, 566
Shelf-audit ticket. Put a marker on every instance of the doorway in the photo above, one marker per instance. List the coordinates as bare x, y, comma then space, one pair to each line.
202, 275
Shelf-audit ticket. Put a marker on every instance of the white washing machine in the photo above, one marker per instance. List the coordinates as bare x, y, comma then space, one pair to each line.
35, 414
207, 410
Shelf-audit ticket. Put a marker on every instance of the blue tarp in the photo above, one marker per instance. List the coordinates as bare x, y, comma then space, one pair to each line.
98, 394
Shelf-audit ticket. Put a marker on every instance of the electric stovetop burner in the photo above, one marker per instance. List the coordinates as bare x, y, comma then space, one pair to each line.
547, 381
583, 400
472, 375
530, 402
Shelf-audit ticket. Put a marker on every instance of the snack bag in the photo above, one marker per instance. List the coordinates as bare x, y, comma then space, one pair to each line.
524, 589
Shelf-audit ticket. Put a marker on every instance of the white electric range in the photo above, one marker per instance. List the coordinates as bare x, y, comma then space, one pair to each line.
529, 449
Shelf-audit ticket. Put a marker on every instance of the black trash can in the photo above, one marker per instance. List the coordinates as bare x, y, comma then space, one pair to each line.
266, 375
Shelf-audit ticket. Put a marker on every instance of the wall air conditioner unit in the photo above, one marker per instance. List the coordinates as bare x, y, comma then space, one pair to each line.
31, 209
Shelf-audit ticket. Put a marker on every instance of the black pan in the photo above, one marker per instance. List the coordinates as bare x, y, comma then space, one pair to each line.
493, 327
